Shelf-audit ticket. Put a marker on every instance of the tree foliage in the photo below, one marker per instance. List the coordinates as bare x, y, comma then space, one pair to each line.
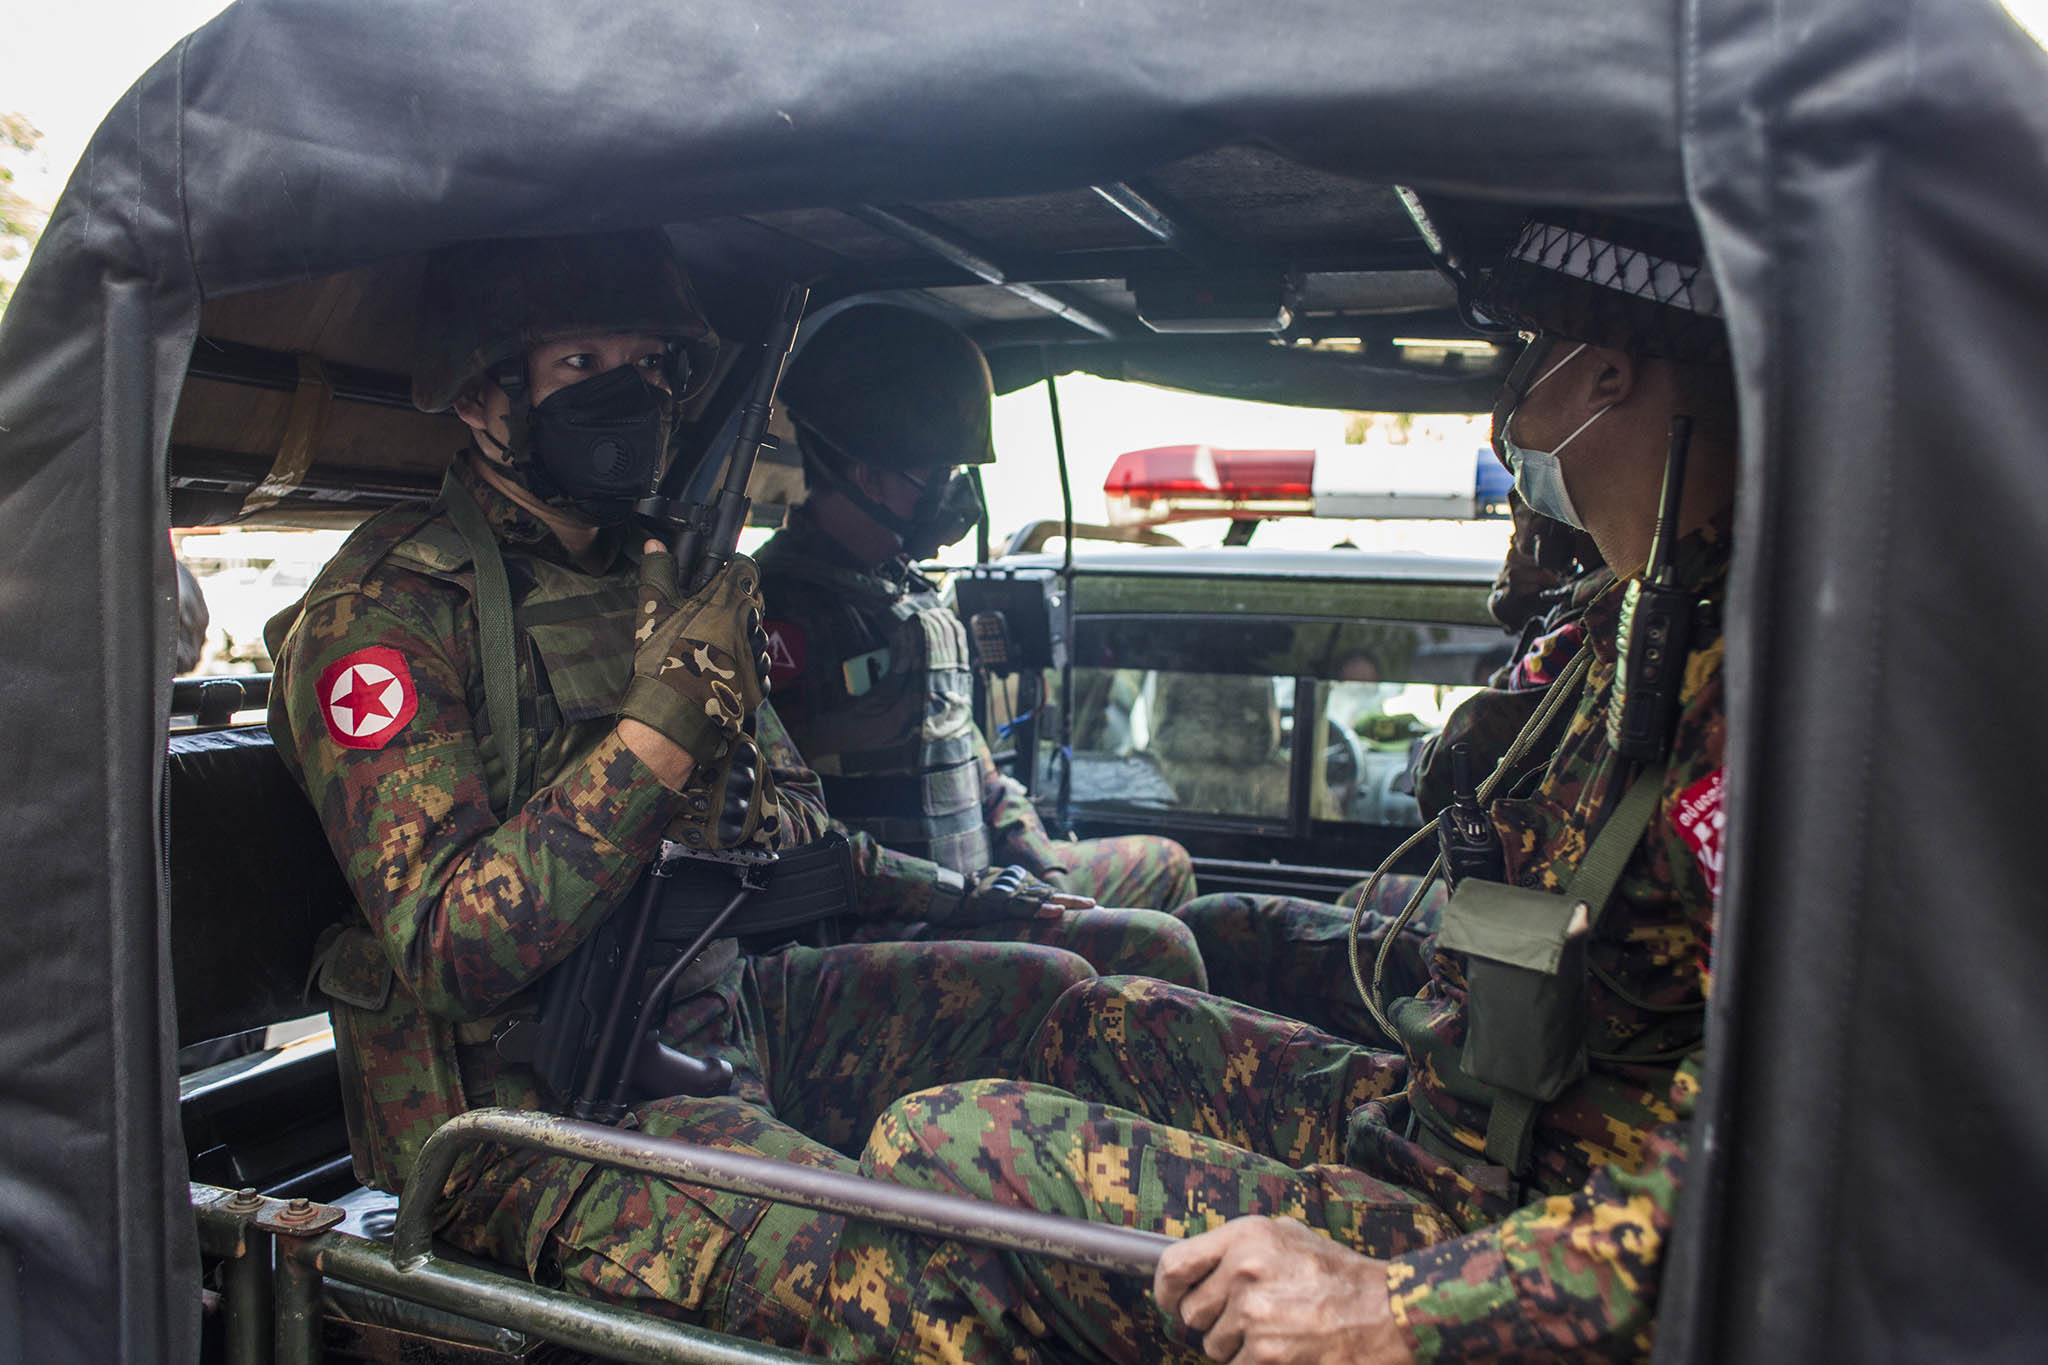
20, 221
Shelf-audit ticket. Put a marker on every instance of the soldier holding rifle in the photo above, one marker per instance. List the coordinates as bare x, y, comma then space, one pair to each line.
489, 830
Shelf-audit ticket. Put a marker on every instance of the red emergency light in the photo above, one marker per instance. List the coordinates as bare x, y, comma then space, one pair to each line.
1194, 482
1433, 480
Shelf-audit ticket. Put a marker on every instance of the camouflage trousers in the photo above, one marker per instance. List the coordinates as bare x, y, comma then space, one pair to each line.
1292, 956
1135, 870
1140, 870
1113, 942
820, 1041
1175, 1112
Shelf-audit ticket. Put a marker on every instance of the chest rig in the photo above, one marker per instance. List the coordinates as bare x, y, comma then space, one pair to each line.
1527, 971
883, 710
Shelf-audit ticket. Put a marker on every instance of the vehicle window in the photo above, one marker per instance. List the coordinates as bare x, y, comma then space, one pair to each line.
245, 577
1199, 717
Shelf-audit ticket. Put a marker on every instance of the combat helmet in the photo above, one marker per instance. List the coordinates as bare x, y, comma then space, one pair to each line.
484, 304
892, 388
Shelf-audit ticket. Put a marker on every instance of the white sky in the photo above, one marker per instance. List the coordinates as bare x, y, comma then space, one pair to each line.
64, 63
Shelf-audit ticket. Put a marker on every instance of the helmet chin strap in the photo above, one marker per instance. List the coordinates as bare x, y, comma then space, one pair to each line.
517, 455
814, 447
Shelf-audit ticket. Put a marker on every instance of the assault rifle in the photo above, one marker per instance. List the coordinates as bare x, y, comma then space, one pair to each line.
594, 1048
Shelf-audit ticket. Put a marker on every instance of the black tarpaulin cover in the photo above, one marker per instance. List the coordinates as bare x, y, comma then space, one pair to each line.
1872, 181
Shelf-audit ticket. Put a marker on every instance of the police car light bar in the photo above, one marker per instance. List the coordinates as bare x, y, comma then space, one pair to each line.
1200, 482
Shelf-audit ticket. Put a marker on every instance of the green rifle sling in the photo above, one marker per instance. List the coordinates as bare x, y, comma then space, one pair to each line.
496, 634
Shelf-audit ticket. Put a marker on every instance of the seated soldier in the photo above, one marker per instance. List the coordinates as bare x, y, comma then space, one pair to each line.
1292, 956
871, 673
1467, 1196
496, 752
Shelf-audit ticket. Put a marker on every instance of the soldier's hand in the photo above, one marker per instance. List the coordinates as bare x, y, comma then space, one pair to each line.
1008, 893
698, 663
1270, 1290
730, 804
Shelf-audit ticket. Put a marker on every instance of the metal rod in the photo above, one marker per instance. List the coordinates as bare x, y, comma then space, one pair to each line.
248, 1288
235, 362
609, 1042
298, 1305
657, 997
943, 1215
932, 236
1148, 213
502, 1298
1063, 806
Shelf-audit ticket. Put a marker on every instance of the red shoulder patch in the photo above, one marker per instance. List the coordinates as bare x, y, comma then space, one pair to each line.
367, 697
785, 652
1698, 819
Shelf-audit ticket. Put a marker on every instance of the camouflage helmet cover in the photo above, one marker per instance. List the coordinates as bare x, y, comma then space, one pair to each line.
893, 388
1634, 285
484, 302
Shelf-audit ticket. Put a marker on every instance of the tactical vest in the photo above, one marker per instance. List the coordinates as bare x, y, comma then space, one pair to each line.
883, 708
573, 649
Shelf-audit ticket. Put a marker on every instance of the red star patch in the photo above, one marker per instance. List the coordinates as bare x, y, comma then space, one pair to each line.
367, 697
785, 653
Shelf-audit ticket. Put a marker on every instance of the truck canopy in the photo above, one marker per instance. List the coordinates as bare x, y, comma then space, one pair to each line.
1080, 184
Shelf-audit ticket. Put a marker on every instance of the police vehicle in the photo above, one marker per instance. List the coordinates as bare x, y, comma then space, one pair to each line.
1245, 200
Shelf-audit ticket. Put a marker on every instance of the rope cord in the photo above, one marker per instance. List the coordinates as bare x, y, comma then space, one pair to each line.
1562, 693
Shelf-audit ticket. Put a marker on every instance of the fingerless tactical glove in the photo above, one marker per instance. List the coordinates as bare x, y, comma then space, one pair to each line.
996, 893
698, 664
730, 803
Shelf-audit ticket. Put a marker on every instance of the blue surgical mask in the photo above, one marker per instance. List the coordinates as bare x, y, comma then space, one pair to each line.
1539, 478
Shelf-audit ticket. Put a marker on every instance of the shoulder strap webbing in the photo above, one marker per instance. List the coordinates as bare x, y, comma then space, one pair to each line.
495, 631
1594, 879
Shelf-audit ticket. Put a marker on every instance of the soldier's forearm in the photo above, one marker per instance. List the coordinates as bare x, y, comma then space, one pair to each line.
669, 761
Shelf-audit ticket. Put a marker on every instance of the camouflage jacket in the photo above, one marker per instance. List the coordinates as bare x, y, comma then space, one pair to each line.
1579, 1267
378, 709
824, 611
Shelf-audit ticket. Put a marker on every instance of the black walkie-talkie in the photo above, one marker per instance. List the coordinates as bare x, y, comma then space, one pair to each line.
1655, 636
1465, 833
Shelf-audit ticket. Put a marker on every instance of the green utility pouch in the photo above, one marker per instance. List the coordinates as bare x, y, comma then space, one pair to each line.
1525, 976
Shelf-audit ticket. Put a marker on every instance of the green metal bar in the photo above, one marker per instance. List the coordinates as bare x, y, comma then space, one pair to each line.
943, 1215
615, 1333
248, 1301
298, 1303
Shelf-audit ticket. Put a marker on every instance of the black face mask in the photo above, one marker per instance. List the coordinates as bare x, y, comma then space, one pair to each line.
596, 446
946, 510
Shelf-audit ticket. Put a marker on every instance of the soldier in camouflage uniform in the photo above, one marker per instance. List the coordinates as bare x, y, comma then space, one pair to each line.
1413, 1210
871, 671
1292, 956
486, 831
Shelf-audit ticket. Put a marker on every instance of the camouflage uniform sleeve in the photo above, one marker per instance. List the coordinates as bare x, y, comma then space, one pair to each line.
1574, 1273
469, 911
1489, 722
890, 885
797, 789
1017, 834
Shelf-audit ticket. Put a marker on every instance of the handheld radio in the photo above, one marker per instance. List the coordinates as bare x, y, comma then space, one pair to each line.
1655, 635
1465, 835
